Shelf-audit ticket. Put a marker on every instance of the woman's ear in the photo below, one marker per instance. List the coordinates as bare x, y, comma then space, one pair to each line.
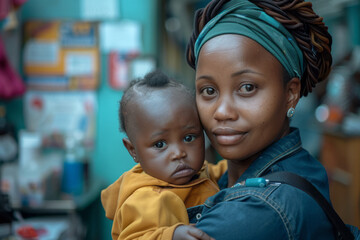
130, 147
293, 88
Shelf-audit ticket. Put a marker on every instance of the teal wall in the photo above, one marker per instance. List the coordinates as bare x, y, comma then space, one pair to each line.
110, 158
352, 13
349, 16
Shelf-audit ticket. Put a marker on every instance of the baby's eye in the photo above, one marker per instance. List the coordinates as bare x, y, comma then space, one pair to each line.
247, 88
160, 144
189, 138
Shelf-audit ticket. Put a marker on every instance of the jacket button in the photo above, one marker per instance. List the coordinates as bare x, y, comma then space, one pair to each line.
198, 216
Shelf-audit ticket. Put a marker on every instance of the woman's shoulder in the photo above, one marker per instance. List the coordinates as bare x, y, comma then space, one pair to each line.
306, 166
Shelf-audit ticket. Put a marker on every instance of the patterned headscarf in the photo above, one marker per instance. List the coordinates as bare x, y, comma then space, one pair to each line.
245, 18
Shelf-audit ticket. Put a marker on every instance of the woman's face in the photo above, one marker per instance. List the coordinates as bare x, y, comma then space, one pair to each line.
241, 96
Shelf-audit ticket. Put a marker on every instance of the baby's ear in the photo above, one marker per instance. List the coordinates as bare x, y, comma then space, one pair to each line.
130, 147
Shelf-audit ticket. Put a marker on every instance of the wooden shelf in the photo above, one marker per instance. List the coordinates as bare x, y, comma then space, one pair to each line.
340, 155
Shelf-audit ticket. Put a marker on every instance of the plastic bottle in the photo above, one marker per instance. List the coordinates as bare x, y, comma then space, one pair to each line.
73, 169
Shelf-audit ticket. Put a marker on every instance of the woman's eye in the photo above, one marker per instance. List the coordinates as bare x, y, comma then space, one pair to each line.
160, 144
208, 91
189, 138
247, 88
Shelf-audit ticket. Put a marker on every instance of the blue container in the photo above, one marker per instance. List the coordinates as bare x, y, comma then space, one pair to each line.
73, 177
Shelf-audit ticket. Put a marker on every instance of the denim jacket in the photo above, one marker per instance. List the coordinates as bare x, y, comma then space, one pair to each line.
277, 211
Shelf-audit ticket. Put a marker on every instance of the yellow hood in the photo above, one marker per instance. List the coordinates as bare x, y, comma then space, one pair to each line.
132, 180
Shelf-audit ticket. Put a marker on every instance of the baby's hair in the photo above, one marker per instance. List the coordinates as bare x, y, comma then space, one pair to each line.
151, 81
299, 19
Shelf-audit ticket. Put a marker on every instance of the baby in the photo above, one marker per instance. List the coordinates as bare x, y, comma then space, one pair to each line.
166, 139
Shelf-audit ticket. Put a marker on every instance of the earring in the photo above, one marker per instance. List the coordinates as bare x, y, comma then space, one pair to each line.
290, 112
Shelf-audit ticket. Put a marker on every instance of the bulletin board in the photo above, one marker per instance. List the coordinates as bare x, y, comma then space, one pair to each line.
61, 55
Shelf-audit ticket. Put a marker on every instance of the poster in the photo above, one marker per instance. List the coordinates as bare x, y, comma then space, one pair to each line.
61, 55
120, 36
56, 115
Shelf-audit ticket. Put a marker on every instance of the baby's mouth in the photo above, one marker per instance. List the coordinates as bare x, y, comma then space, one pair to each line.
183, 170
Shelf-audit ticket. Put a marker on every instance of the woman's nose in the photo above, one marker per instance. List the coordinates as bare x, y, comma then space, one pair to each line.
225, 109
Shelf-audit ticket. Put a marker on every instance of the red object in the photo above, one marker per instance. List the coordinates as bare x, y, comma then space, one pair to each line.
4, 9
11, 85
18, 3
7, 5
27, 232
119, 69
37, 103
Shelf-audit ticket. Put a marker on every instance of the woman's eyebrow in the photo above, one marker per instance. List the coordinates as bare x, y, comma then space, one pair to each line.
244, 72
207, 77
235, 74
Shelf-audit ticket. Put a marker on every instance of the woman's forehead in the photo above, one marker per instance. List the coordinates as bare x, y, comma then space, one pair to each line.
231, 51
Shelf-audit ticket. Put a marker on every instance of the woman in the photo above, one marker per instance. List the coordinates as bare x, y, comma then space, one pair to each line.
253, 61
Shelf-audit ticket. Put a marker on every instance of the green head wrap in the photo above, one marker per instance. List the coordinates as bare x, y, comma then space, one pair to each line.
245, 18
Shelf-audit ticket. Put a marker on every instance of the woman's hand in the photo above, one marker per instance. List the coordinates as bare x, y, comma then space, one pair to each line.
188, 232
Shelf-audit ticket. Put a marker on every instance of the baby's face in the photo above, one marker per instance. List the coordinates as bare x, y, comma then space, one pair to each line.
166, 133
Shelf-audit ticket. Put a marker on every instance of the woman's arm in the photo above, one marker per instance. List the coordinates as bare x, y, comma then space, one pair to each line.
234, 220
273, 212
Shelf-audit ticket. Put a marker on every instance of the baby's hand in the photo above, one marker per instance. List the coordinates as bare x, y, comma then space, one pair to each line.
188, 232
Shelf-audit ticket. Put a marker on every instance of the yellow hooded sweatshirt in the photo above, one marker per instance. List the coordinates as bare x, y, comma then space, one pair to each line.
143, 207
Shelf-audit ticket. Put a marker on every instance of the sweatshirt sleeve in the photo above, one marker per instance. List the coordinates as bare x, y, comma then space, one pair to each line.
217, 170
149, 214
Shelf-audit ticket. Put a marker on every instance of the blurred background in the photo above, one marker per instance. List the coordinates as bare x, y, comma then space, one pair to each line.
63, 67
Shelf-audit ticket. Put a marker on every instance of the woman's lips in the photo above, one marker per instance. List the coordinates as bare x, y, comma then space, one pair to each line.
228, 136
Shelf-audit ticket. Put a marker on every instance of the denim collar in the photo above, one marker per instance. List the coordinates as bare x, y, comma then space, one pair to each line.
275, 152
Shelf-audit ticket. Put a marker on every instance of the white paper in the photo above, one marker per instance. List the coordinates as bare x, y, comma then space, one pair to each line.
79, 63
41, 53
99, 9
141, 66
123, 37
